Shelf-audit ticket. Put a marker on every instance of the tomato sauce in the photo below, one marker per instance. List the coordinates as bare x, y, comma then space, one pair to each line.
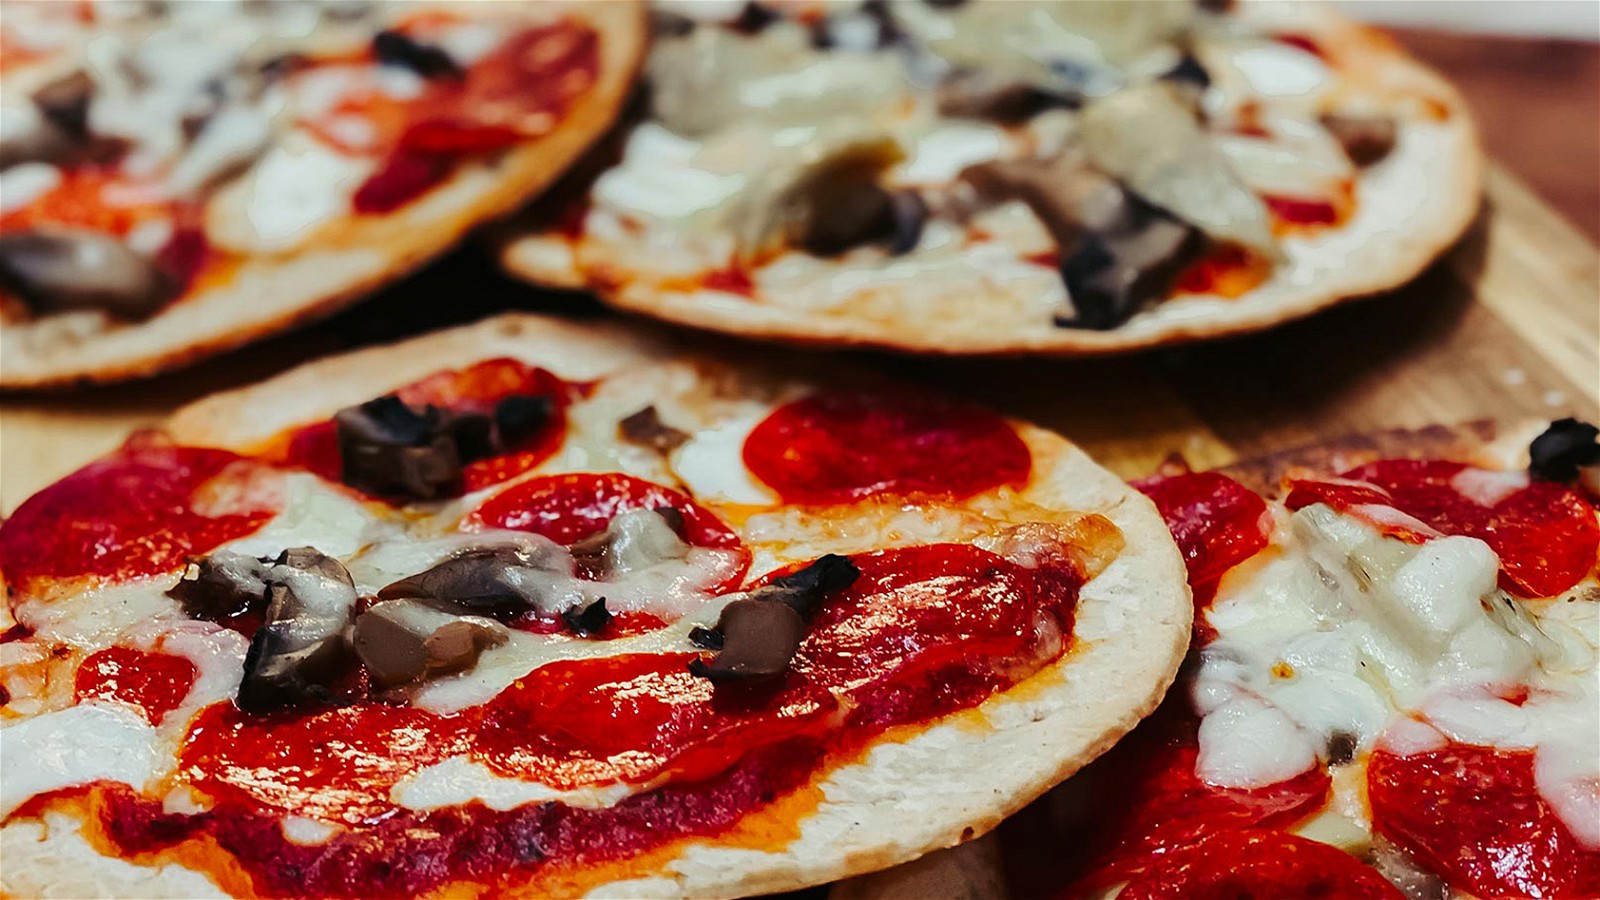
923, 632
130, 514
473, 389
729, 281
833, 448
1228, 271
156, 683
1475, 815
1545, 534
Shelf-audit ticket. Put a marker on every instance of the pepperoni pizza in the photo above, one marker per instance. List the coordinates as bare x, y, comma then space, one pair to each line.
533, 608
178, 178
1391, 691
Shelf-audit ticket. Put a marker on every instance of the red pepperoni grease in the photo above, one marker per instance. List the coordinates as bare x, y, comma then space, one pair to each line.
474, 389
1545, 534
924, 631
1475, 815
156, 683
131, 513
843, 447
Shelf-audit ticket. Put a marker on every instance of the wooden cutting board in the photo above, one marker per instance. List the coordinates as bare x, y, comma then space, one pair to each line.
1507, 327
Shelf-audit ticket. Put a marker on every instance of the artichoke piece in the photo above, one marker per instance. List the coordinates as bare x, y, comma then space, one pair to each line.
1149, 139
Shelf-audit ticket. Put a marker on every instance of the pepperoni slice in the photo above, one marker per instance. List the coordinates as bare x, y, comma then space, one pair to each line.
920, 610
1475, 814
1545, 534
1138, 804
1259, 864
130, 514
1217, 522
156, 683
633, 718
473, 389
842, 447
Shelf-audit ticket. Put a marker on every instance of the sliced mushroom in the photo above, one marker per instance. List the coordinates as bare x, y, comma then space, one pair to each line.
1561, 451
1148, 138
404, 641
221, 586
1069, 196
633, 540
299, 650
646, 429
501, 582
64, 269
758, 634
1365, 139
824, 197
391, 449
981, 94
1111, 276
395, 48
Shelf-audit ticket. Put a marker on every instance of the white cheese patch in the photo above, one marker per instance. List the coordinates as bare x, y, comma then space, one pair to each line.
712, 465
458, 781
92, 618
1274, 69
297, 186
1247, 743
77, 745
658, 180
1487, 487
26, 182
938, 156
314, 514
308, 832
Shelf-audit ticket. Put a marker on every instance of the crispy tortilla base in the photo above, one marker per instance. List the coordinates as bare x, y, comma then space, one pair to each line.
920, 789
348, 259
1409, 209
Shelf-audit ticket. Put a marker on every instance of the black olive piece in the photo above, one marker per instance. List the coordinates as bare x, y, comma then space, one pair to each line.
588, 620
221, 586
705, 638
473, 434
1341, 748
1109, 278
521, 416
1563, 448
753, 19
61, 270
299, 651
396, 49
65, 102
646, 429
908, 212
1189, 71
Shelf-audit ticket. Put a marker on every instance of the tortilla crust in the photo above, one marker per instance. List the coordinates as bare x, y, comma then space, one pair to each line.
1409, 209
347, 259
918, 790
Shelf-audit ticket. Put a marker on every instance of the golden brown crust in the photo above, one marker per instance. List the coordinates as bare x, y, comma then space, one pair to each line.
932, 786
1409, 209
266, 295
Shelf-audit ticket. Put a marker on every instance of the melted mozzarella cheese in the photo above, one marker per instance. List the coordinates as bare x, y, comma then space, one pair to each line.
712, 465
938, 156
1338, 633
1274, 69
658, 179
297, 186
458, 781
314, 515
92, 618
26, 182
77, 745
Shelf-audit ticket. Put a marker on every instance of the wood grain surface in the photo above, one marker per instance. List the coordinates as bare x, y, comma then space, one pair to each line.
1504, 327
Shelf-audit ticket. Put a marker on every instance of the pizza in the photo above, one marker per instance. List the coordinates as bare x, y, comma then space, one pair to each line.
1010, 177
537, 608
180, 178
1391, 689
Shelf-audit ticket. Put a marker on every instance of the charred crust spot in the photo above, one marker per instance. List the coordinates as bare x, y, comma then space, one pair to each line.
587, 621
395, 48
1562, 449
645, 429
